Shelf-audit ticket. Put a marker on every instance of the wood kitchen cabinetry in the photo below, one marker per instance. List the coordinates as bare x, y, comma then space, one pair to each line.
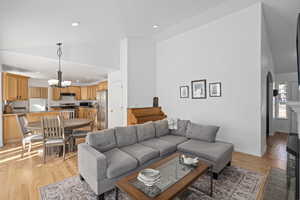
73, 89
56, 94
38, 92
15, 87
88, 93
11, 130
102, 86
82, 93
92, 92
76, 91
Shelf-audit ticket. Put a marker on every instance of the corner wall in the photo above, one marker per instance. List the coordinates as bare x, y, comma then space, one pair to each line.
225, 50
140, 72
267, 65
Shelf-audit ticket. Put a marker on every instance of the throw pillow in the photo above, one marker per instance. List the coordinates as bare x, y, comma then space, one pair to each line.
181, 128
202, 132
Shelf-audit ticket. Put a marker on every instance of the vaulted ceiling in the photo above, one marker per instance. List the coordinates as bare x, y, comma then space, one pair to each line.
30, 29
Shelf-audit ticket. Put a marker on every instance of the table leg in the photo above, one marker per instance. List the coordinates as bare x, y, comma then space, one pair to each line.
117, 193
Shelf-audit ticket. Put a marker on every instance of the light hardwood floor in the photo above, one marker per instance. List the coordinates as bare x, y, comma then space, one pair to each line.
21, 178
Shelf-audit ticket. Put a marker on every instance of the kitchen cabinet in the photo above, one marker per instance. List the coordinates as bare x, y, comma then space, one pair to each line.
11, 130
38, 92
88, 93
102, 86
76, 91
23, 88
92, 92
84, 93
15, 87
56, 94
44, 92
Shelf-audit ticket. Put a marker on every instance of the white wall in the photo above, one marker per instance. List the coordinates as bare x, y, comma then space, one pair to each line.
138, 70
225, 50
283, 125
267, 65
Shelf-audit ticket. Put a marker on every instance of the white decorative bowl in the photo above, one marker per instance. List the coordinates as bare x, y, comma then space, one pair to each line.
149, 176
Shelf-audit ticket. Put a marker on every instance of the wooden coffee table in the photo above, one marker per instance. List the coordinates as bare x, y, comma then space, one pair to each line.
175, 178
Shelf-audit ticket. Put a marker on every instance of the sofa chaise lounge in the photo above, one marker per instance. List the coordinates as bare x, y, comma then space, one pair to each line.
111, 154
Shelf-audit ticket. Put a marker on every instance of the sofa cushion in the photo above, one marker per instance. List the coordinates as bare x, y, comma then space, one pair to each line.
102, 140
145, 131
181, 127
202, 132
141, 152
209, 151
173, 139
118, 163
125, 135
161, 128
163, 146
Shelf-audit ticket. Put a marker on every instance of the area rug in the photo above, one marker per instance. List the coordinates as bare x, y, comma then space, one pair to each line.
234, 183
276, 185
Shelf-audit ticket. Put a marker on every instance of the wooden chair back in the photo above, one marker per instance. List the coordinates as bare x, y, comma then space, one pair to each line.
67, 114
53, 127
22, 123
90, 115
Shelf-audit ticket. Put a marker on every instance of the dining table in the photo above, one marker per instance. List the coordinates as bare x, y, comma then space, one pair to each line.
69, 124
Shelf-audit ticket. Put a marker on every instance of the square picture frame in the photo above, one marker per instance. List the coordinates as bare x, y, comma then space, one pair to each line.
198, 89
184, 92
215, 89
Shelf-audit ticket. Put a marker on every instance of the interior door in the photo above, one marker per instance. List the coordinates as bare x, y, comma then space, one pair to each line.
115, 103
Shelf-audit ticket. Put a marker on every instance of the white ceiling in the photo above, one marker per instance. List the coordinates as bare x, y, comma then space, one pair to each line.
30, 29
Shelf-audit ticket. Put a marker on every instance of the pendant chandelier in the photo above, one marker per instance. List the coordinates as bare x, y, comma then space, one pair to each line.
59, 83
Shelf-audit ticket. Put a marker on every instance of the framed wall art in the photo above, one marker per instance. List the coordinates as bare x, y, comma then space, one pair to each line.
184, 92
215, 89
198, 89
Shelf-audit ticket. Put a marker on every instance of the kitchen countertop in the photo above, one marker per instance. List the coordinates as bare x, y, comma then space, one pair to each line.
9, 114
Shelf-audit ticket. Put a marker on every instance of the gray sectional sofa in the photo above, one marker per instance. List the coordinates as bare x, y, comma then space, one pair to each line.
111, 154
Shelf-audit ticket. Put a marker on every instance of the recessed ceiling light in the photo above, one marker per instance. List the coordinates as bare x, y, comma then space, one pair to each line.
75, 24
155, 26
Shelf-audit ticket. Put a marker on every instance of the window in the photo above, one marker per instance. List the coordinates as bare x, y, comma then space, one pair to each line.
282, 100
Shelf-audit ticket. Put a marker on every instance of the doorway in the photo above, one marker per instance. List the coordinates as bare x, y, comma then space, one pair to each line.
269, 103
115, 113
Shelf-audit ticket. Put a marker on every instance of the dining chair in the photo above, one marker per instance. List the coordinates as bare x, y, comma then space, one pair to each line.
82, 133
67, 114
27, 136
53, 134
91, 115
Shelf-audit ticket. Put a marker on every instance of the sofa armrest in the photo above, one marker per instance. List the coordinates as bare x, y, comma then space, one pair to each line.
92, 164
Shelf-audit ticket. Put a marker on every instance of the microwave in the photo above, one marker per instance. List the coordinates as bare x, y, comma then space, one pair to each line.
86, 104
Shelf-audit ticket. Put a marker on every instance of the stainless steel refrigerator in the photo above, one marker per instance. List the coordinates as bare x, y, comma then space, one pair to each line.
102, 109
